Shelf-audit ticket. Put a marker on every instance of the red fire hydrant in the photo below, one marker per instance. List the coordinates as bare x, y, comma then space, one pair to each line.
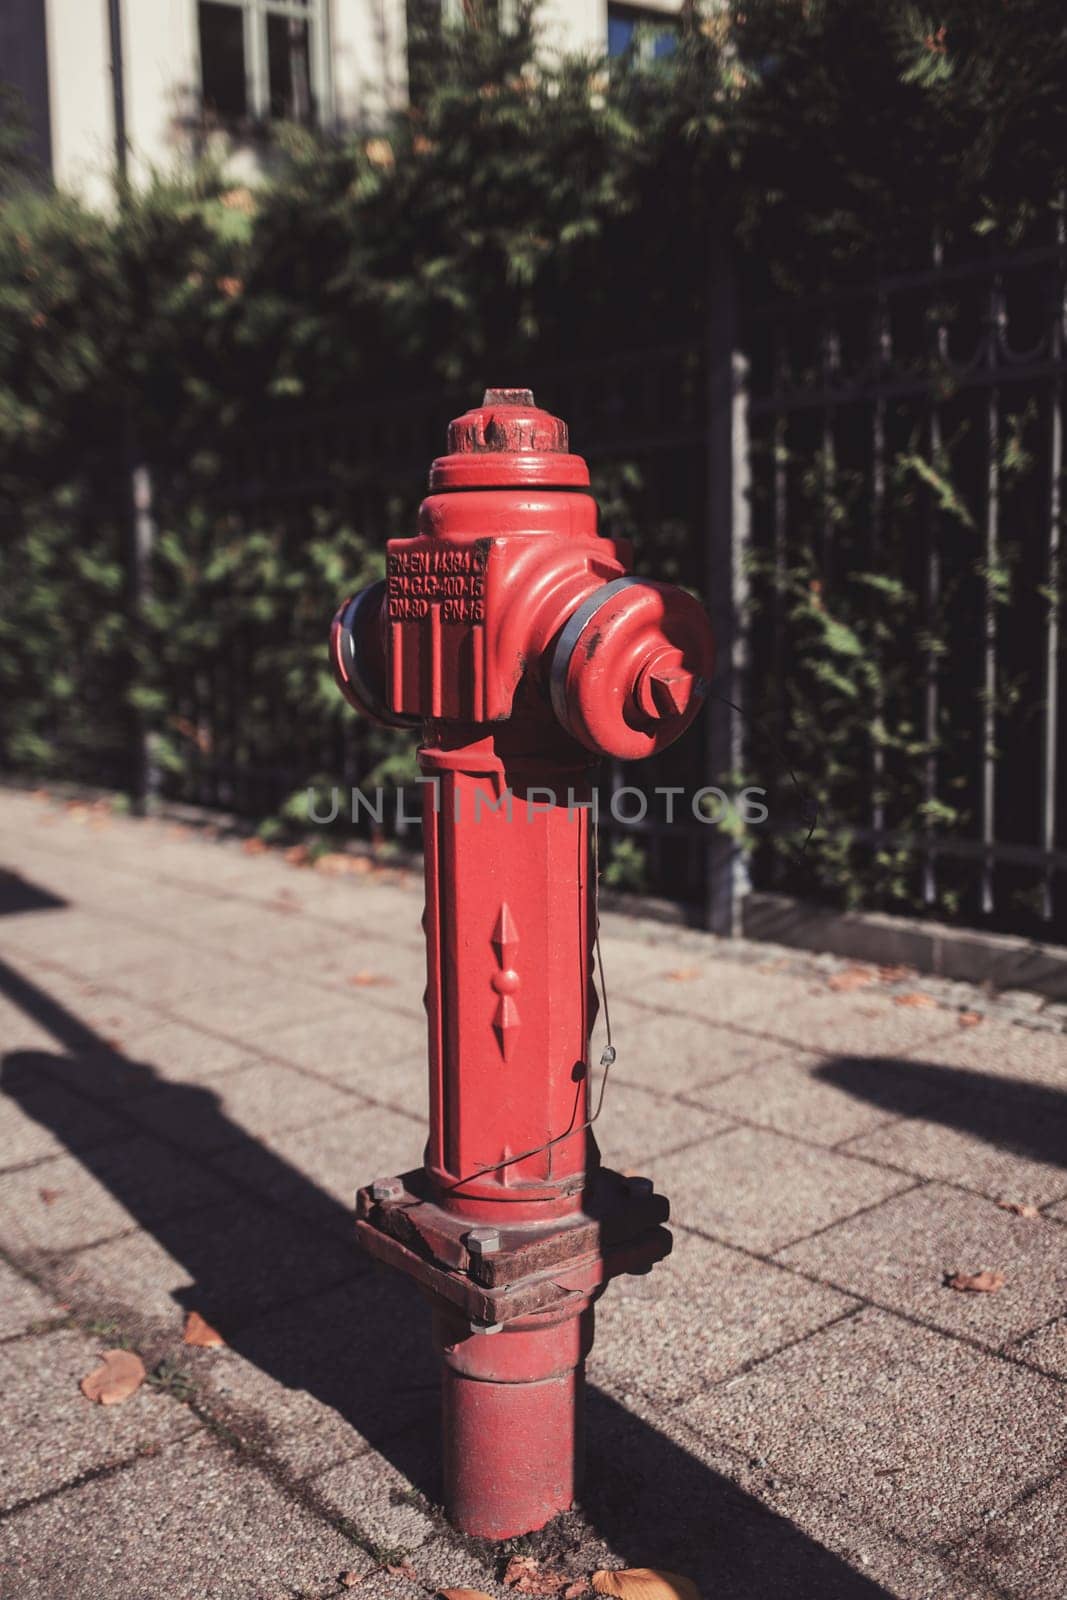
508, 630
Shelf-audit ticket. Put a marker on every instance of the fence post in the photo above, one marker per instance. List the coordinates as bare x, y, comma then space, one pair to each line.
141, 538
728, 526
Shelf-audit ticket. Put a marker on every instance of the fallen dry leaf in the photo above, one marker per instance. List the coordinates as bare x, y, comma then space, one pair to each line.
895, 974
914, 997
575, 1590
526, 1576
461, 1594
403, 1569
337, 864
851, 978
682, 974
1021, 1208
984, 1282
369, 980
202, 1334
645, 1583
348, 1580
120, 1375
969, 1019
520, 1573
254, 846
298, 855
49, 1196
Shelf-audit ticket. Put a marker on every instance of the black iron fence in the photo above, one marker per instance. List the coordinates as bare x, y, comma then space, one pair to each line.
912, 428
866, 488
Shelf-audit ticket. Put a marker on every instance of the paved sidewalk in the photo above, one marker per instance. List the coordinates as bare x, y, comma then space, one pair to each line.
205, 1049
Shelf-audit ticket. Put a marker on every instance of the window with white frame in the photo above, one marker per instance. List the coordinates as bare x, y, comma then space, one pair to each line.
264, 60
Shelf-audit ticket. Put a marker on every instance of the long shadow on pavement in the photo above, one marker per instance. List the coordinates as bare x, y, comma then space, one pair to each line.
367, 1354
1027, 1119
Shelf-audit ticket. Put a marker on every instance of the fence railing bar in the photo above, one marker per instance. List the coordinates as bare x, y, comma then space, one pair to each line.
892, 283
779, 548
989, 625
883, 355
931, 601
1021, 855
905, 388
1050, 726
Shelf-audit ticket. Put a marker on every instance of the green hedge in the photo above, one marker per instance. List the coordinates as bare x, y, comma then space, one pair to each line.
515, 214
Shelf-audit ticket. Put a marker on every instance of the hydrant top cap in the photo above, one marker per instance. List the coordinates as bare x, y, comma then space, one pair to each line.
508, 440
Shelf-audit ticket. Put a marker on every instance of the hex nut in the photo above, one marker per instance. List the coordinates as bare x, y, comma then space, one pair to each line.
483, 1241
386, 1189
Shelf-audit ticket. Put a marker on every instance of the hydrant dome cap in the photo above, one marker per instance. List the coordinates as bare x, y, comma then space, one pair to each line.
508, 439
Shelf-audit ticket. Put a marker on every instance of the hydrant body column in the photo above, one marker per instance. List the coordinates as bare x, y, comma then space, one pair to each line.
508, 929
509, 631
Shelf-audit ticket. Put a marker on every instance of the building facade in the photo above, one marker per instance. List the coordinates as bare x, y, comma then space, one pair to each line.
149, 84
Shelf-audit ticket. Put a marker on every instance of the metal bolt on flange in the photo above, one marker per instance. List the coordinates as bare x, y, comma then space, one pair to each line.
487, 1327
386, 1189
483, 1241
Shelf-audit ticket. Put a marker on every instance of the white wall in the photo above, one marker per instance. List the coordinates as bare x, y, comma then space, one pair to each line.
574, 25
79, 97
161, 69
368, 49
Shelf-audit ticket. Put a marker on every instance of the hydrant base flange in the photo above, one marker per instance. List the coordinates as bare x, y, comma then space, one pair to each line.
535, 1267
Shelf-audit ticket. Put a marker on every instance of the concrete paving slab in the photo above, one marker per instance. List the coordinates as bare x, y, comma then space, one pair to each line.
704, 1313
74, 1201
1020, 1555
919, 1434
630, 964
316, 1171
385, 1506
368, 1048
721, 991
91, 944
169, 1052
22, 1304
245, 1004
444, 1562
174, 989
53, 1434
330, 1370
994, 1056
319, 1382
759, 1190
658, 1494
791, 1095
1046, 1348
57, 984
230, 1264
18, 1031
193, 1522
264, 1097
900, 1253
1000, 1148
672, 1053
44, 1119
854, 1024
637, 1127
